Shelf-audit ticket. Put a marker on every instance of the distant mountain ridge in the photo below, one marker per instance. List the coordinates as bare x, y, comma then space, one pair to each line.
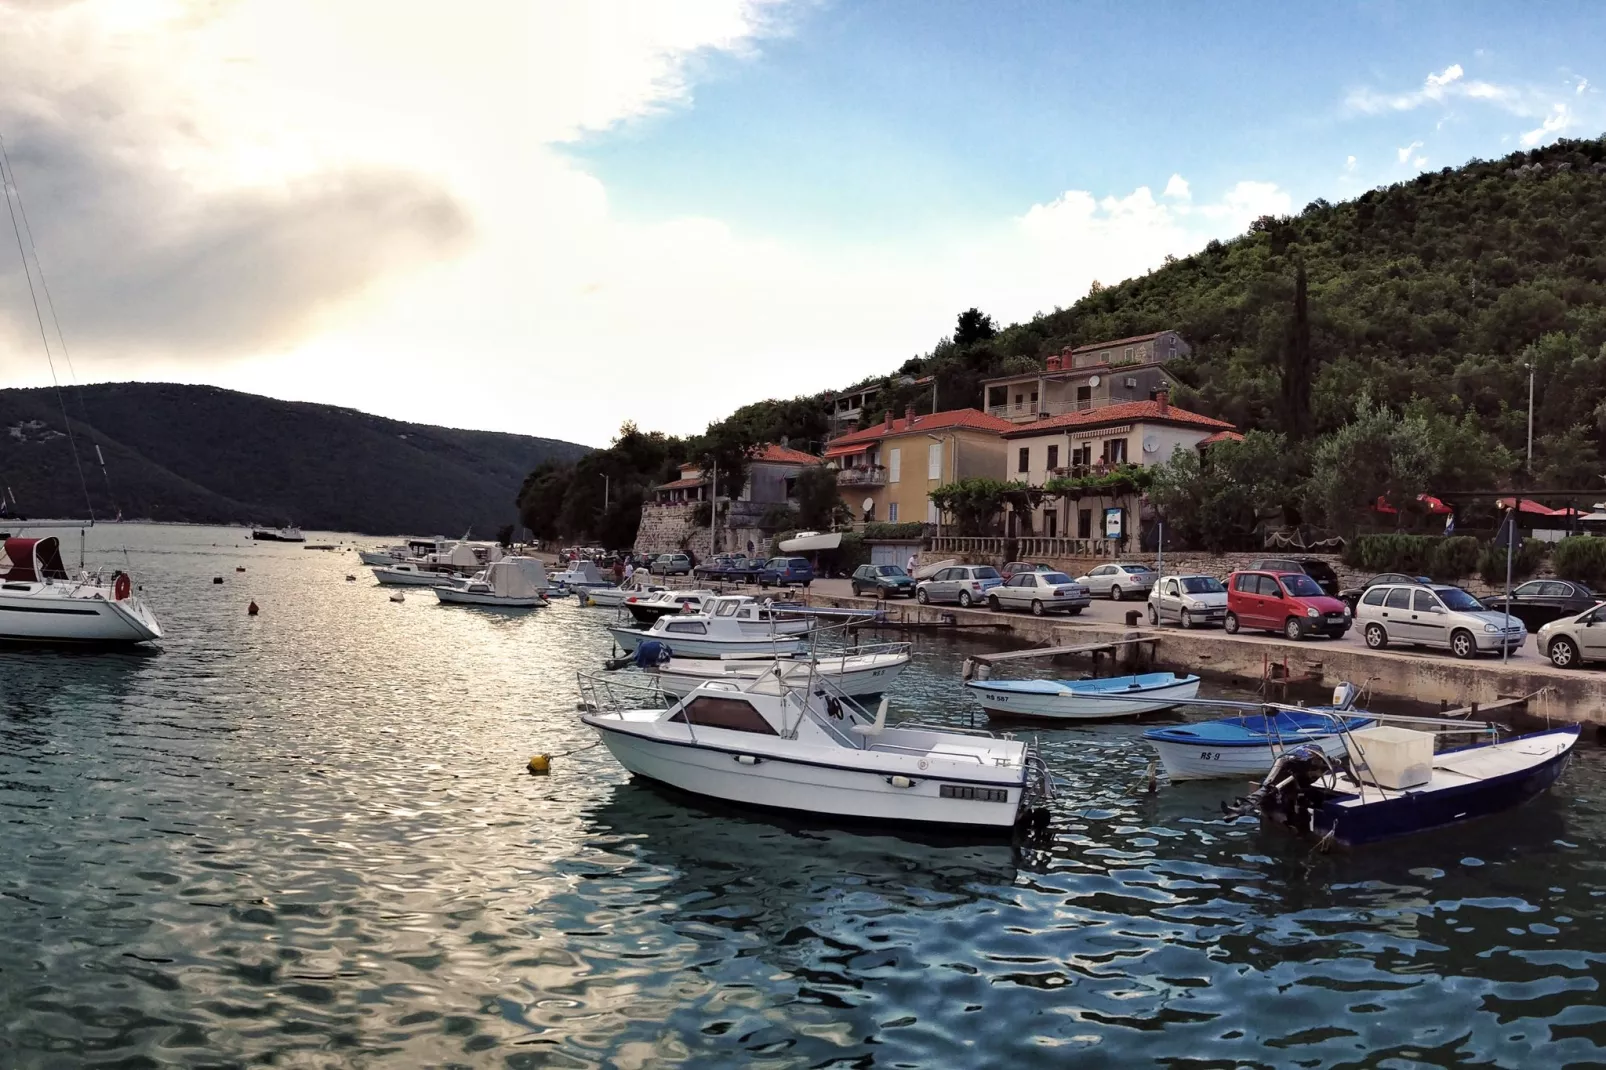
201, 454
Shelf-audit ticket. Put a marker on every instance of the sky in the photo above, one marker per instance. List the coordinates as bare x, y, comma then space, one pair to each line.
551, 217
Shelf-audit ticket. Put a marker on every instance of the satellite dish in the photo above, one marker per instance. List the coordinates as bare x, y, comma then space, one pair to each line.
868, 504
1094, 381
1151, 443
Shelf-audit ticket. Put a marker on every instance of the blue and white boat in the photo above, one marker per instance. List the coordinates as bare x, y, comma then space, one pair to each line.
1349, 805
1085, 700
1250, 744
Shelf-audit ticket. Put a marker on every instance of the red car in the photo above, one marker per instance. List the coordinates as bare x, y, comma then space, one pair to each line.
1288, 602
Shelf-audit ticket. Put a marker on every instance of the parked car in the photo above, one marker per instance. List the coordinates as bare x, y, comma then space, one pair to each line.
1538, 602
1570, 641
883, 580
1318, 570
1040, 592
720, 566
1436, 615
1352, 595
1288, 602
1188, 600
1118, 580
965, 584
749, 570
671, 565
786, 572
1015, 568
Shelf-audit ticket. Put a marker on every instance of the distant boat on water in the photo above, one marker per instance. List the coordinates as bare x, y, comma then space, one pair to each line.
290, 534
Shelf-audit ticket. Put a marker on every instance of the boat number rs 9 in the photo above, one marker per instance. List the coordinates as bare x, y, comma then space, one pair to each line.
965, 791
1210, 756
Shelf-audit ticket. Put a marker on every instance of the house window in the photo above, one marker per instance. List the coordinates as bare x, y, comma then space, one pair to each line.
895, 465
1084, 397
1128, 357
1053, 457
997, 396
1082, 457
1025, 462
934, 461
1018, 398
892, 512
1034, 401
1115, 450
1104, 357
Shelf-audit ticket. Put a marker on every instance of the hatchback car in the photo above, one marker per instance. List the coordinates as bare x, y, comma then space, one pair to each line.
965, 584
1288, 602
1573, 640
1040, 592
1436, 615
786, 572
672, 565
1015, 568
882, 580
1352, 595
1538, 602
1188, 600
1117, 581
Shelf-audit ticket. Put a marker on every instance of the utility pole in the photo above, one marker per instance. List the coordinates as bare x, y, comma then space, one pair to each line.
1530, 368
713, 509
1511, 552
604, 492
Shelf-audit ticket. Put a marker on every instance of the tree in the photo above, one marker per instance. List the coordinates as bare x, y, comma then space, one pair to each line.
974, 502
1296, 377
1378, 454
974, 326
541, 499
1217, 501
819, 505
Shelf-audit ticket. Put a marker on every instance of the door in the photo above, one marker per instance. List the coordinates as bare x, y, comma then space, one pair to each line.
1084, 523
882, 554
1269, 606
1169, 602
1396, 615
1016, 593
1523, 598
1592, 635
942, 587
1051, 523
1428, 619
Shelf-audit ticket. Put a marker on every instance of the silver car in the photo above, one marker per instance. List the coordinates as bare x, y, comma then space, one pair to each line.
1574, 639
1040, 592
1188, 600
1421, 614
1117, 581
965, 584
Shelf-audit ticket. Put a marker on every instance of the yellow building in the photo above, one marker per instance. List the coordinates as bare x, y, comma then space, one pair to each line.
886, 472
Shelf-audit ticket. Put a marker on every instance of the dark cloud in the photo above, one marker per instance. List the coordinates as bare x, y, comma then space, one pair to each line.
141, 263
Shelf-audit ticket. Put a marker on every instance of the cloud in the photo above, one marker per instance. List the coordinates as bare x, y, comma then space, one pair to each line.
1583, 84
1177, 187
1452, 73
1404, 154
1557, 121
1349, 163
1438, 88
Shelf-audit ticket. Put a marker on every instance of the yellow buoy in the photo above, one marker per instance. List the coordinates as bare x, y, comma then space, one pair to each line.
540, 765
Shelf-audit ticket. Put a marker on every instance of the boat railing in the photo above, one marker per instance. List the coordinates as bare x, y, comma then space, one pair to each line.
922, 726
611, 694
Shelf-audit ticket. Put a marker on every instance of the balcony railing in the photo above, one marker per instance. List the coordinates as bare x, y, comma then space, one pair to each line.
1026, 547
1032, 411
873, 475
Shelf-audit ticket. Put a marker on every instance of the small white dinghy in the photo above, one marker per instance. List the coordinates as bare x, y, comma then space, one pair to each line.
1078, 700
511, 583
803, 752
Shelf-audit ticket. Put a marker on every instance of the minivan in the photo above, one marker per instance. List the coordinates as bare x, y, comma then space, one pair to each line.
1288, 602
787, 571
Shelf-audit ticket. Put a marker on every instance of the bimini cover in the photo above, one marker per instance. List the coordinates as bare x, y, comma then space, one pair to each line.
517, 577
462, 556
32, 560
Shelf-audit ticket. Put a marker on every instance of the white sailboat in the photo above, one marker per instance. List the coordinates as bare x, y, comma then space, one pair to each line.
511, 583
41, 602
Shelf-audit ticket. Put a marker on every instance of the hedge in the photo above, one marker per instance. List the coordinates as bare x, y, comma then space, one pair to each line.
1492, 562
1581, 558
904, 531
1444, 557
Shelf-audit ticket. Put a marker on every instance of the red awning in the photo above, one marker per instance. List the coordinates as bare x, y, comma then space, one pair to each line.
847, 451
1432, 504
1525, 505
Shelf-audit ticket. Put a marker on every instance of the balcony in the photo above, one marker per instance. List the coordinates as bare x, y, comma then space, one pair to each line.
1025, 412
871, 475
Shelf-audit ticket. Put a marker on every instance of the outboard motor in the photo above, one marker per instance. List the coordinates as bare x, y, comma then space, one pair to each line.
1344, 695
1286, 793
651, 653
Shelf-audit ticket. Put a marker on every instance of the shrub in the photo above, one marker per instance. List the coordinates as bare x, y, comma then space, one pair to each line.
1581, 558
1442, 557
910, 530
778, 517
1492, 562
1455, 557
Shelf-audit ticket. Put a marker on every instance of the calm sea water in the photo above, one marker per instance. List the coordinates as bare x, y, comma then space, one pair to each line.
307, 840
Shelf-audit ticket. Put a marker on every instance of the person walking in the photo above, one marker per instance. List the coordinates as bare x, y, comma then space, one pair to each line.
910, 567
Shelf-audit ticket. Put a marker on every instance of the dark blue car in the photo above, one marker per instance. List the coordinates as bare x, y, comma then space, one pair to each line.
786, 572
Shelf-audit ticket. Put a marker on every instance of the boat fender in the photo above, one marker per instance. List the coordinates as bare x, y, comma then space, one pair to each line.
252, 610
900, 781
121, 586
539, 765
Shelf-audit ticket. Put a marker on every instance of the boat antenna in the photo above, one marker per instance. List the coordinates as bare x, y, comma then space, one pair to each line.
13, 205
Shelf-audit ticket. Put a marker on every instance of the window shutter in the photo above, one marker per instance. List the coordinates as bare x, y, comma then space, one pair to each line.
894, 463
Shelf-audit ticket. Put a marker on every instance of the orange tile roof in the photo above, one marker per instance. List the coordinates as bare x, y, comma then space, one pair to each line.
1125, 412
952, 420
774, 454
1221, 436
1117, 342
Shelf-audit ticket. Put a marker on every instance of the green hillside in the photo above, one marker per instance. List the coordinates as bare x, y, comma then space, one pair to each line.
202, 454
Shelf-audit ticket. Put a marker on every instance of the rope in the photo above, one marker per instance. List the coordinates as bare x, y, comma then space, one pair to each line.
577, 750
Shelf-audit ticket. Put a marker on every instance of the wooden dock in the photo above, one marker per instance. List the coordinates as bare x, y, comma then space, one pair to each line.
1097, 651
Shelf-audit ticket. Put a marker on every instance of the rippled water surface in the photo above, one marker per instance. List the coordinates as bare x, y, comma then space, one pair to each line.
307, 839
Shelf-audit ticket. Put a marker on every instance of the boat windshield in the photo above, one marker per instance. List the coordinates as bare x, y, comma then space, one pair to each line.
1202, 585
1457, 600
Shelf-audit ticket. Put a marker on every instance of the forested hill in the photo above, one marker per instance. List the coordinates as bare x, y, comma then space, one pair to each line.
201, 454
1428, 295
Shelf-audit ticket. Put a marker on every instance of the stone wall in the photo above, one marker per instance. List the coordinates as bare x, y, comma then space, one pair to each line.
667, 528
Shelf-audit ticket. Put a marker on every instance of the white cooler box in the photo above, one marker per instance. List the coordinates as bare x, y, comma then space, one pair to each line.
1391, 757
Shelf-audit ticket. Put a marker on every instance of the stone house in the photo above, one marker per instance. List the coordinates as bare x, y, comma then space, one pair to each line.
1086, 377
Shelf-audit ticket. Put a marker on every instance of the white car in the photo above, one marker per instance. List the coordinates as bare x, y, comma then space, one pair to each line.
1421, 614
1040, 592
1188, 600
1119, 580
1574, 639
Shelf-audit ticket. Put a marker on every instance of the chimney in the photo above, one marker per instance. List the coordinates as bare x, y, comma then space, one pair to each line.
1054, 363
1163, 399
909, 418
888, 425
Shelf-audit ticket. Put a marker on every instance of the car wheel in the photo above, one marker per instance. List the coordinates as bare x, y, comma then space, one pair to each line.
964, 599
1376, 637
1185, 619
1037, 608
1294, 629
1230, 624
1115, 594
993, 603
1154, 615
1563, 652
1462, 645
922, 597
855, 589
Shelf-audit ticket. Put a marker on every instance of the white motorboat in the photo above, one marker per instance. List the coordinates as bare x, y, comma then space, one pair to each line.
857, 674
1075, 700
613, 597
581, 576
795, 750
648, 608
286, 534
40, 602
412, 574
511, 583
702, 635
759, 618
414, 550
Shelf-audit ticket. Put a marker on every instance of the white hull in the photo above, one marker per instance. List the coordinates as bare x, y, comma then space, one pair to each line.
688, 646
377, 557
607, 597
1200, 761
1096, 706
62, 619
856, 676
711, 769
453, 596
409, 578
